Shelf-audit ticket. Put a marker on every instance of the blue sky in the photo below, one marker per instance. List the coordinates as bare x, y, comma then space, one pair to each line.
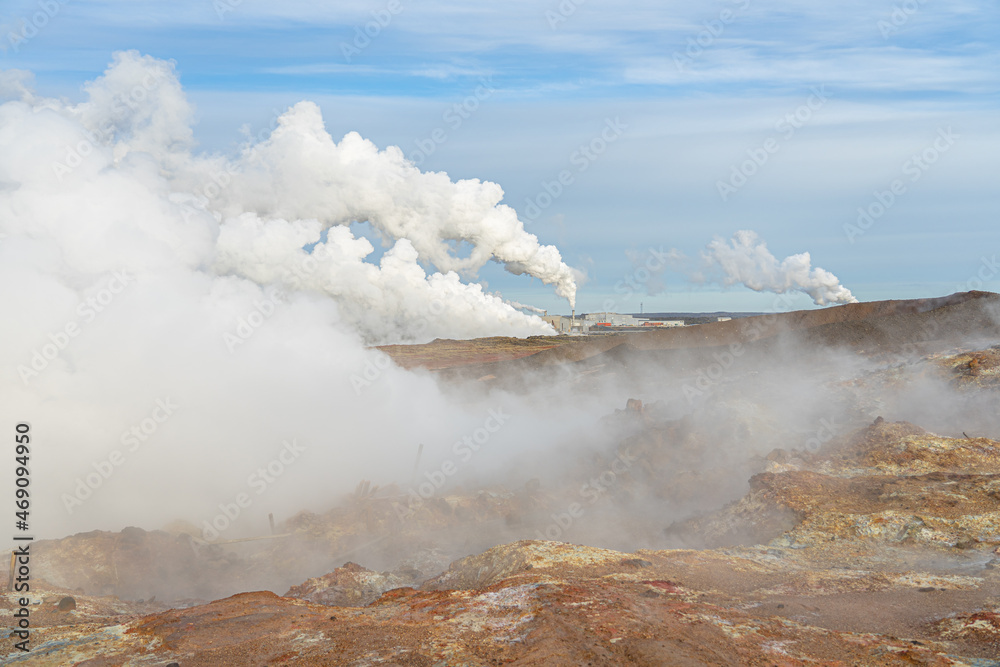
699, 88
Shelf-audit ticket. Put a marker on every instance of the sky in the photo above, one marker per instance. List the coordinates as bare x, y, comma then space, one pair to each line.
863, 133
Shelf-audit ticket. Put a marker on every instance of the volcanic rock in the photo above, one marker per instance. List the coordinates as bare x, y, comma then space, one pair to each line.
348, 586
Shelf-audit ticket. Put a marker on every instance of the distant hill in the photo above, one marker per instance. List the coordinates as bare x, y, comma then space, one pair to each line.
869, 328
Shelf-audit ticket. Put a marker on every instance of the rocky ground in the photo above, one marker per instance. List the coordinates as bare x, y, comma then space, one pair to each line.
881, 548
876, 542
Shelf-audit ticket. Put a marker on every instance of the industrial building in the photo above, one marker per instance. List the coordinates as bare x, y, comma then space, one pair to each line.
560, 323
661, 323
612, 319
604, 321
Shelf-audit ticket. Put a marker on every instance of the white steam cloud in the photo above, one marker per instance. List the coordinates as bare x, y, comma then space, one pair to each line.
745, 260
172, 318
253, 216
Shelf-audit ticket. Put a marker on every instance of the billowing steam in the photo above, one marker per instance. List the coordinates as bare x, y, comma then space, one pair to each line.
254, 216
300, 173
746, 260
176, 323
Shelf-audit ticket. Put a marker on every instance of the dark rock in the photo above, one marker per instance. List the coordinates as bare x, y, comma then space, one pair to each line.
133, 535
778, 455
633, 405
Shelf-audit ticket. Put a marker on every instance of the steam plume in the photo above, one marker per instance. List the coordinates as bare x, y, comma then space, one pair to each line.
290, 175
746, 260
522, 306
